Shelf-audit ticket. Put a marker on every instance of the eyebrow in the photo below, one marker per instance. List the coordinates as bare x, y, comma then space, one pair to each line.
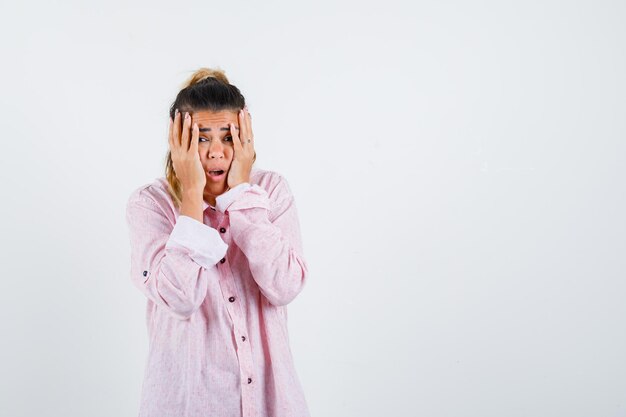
208, 129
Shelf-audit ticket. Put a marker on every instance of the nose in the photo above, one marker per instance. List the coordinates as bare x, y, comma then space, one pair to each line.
216, 149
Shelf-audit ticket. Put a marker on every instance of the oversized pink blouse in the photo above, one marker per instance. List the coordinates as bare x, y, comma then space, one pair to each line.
217, 295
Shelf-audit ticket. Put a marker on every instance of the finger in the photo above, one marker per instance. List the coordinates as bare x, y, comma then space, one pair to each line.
249, 125
236, 141
176, 130
184, 138
195, 133
243, 128
169, 134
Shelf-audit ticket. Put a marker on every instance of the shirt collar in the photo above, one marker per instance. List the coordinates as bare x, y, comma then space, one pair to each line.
206, 205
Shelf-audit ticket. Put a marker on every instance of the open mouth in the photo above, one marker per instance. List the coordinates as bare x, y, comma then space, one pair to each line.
217, 174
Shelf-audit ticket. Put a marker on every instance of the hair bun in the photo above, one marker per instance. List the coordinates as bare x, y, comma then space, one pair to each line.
204, 73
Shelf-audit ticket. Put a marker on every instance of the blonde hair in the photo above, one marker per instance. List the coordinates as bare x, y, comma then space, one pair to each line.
206, 89
204, 73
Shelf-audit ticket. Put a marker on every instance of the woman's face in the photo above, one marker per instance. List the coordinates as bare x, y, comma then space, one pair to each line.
215, 146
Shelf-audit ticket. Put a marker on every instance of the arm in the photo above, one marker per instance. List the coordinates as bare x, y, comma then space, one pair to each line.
270, 240
166, 262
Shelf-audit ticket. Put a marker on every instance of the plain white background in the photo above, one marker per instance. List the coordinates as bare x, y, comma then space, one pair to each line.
458, 168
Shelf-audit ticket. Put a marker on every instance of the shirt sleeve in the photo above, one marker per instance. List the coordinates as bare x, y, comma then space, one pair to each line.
168, 263
201, 242
224, 200
269, 236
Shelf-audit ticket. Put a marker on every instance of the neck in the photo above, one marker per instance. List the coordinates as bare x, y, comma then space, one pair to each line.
210, 197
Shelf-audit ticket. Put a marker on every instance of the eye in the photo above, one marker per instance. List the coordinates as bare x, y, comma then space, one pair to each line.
229, 138
201, 139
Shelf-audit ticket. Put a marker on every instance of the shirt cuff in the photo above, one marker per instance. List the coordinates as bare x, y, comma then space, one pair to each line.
222, 201
203, 243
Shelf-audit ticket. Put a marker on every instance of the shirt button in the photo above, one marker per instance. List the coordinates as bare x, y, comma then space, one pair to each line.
243, 338
145, 273
223, 260
222, 230
249, 380
231, 299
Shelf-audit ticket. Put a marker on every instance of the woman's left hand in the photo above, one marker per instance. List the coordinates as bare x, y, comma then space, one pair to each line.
243, 143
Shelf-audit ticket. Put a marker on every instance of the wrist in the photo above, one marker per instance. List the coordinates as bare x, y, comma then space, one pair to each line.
191, 205
192, 192
236, 184
239, 182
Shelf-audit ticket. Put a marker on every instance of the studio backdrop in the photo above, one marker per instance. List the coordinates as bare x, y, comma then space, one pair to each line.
458, 169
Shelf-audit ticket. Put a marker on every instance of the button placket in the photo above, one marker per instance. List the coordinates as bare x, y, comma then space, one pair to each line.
246, 365
244, 350
234, 297
231, 293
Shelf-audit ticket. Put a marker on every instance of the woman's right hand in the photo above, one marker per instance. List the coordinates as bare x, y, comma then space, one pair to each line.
184, 152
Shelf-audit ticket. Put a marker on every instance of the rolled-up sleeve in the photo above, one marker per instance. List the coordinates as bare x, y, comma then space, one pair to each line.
223, 201
171, 265
268, 232
203, 243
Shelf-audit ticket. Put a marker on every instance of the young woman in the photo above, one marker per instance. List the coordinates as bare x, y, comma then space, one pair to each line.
216, 249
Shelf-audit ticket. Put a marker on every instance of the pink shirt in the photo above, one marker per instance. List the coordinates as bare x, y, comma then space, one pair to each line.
217, 295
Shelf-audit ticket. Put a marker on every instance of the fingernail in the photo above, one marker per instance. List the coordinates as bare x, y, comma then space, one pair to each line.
175, 112
186, 115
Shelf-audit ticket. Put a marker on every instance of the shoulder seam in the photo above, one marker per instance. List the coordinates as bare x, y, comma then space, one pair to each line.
141, 197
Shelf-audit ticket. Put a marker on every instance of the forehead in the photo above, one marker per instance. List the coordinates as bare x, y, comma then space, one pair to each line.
214, 119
